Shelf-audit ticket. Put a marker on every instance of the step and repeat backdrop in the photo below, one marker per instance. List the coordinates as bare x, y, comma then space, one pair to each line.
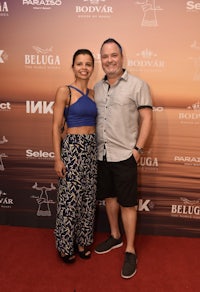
161, 44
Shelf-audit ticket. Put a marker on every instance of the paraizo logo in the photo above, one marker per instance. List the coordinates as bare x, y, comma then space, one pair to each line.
193, 6
93, 9
186, 209
3, 8
42, 59
42, 4
39, 154
39, 107
146, 60
188, 160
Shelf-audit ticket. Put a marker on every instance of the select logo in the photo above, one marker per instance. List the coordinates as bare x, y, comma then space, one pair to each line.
40, 154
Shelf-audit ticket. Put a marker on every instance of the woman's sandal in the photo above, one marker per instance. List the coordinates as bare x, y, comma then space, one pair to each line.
68, 259
85, 254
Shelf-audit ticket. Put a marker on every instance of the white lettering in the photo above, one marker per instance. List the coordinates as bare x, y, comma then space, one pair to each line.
158, 109
146, 63
6, 201
1, 56
93, 9
148, 161
39, 154
143, 205
189, 116
42, 107
3, 7
192, 5
187, 159
185, 209
42, 60
42, 2
5, 106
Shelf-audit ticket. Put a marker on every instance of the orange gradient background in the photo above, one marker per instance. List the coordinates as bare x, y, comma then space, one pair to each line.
175, 87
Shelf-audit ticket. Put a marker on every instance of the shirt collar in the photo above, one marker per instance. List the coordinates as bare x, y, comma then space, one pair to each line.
124, 75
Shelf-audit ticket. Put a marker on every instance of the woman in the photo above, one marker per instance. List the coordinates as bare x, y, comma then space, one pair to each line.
75, 161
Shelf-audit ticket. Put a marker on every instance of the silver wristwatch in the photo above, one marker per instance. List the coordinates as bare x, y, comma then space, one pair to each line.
140, 150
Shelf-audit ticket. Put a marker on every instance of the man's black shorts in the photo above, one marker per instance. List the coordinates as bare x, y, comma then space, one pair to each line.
118, 179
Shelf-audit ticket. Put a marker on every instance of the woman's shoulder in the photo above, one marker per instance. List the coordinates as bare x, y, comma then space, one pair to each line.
62, 94
63, 89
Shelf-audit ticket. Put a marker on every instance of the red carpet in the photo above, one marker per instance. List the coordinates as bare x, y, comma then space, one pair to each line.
29, 263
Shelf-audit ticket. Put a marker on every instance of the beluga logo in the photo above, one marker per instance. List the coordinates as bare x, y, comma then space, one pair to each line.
3, 8
42, 59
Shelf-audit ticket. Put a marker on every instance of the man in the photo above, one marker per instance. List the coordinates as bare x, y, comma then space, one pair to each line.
123, 126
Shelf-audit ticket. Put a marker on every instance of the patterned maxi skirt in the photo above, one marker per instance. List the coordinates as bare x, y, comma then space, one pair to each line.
76, 198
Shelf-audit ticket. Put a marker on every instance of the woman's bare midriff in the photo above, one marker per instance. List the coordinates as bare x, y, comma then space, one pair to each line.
85, 130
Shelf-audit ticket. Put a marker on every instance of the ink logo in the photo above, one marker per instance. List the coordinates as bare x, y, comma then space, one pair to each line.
188, 160
3, 57
39, 154
145, 205
149, 9
5, 201
94, 9
3, 8
195, 46
40, 107
42, 4
42, 59
146, 60
191, 115
192, 6
43, 200
186, 209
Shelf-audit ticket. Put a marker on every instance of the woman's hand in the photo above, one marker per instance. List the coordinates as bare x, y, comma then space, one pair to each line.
60, 168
